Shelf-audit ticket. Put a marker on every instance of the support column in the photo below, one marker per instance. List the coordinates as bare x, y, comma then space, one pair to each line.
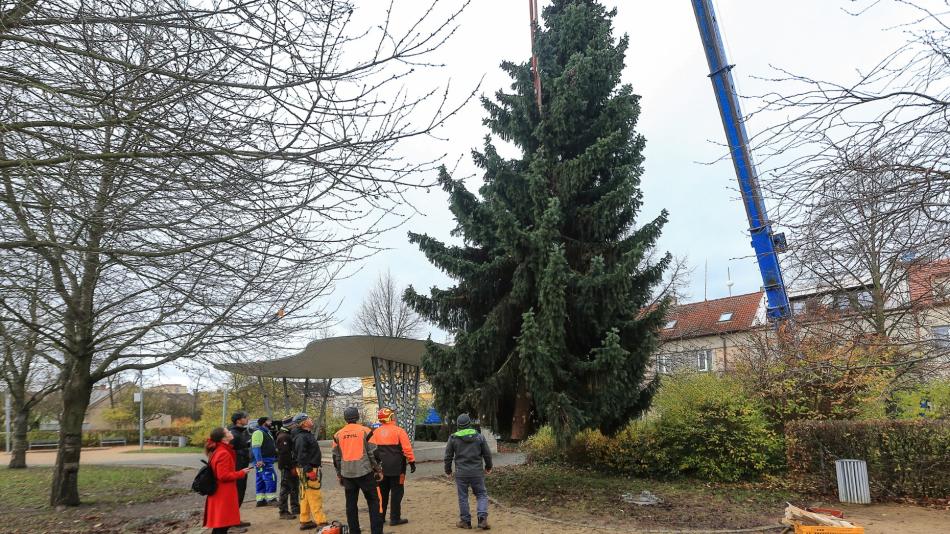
267, 410
397, 386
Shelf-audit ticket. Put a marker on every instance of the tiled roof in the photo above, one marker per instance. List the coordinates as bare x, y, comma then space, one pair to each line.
700, 319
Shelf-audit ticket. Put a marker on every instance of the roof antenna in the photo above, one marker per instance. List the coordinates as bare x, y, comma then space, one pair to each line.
729, 281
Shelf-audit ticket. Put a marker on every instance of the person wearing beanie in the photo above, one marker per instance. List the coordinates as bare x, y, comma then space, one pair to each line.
358, 470
308, 457
242, 451
472, 457
264, 450
288, 500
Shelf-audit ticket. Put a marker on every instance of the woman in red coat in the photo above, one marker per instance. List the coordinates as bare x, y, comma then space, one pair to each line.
221, 509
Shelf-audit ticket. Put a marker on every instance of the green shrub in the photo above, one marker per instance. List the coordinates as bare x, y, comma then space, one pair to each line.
707, 427
701, 425
541, 447
905, 458
937, 395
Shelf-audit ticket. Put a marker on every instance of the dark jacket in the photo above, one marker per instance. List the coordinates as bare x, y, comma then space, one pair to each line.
393, 448
242, 445
307, 451
470, 451
285, 449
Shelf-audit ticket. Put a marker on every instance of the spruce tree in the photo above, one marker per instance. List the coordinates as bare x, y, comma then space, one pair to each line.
553, 277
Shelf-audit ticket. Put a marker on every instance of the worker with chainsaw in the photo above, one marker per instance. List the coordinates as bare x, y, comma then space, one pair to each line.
395, 452
358, 470
308, 458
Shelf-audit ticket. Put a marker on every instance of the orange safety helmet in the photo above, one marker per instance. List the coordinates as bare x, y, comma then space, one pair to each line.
386, 415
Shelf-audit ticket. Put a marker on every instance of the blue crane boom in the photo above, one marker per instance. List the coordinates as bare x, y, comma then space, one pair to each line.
766, 244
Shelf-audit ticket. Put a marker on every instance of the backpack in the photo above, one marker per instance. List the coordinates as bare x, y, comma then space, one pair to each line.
205, 482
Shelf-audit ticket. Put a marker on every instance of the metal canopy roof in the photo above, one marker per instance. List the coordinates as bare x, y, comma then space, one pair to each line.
334, 357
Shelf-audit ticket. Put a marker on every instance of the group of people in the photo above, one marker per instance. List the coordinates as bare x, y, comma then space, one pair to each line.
371, 461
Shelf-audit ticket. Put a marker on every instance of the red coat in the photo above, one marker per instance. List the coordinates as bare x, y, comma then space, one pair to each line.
221, 509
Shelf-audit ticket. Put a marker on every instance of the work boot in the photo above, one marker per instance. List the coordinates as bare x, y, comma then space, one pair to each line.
464, 524
261, 503
237, 530
243, 524
288, 515
483, 523
309, 525
397, 522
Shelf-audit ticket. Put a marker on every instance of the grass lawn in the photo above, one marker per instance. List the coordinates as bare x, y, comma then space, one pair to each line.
168, 450
25, 489
572, 494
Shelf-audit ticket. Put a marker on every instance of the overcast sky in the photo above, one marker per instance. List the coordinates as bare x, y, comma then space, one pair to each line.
679, 118
665, 64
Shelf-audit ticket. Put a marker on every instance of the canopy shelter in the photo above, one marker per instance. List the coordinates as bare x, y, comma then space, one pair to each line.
393, 363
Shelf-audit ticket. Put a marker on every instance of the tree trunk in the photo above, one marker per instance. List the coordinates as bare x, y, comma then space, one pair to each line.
520, 419
21, 424
76, 393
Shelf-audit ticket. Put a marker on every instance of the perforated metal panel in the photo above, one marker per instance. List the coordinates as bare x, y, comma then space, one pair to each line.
397, 386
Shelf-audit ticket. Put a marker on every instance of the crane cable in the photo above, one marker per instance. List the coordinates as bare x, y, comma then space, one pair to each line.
533, 12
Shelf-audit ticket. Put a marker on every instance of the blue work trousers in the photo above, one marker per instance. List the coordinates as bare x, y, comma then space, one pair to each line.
265, 481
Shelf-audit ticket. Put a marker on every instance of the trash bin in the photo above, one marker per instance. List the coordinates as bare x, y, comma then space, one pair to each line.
182, 441
853, 486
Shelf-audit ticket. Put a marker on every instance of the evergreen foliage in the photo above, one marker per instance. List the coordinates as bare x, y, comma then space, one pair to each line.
553, 273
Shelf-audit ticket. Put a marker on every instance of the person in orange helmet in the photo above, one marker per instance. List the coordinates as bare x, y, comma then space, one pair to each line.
395, 452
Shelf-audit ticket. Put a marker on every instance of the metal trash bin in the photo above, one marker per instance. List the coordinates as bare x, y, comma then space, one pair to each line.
853, 486
182, 441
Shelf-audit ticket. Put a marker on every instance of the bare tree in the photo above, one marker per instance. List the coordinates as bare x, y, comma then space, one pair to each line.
193, 176
859, 173
27, 367
897, 109
384, 313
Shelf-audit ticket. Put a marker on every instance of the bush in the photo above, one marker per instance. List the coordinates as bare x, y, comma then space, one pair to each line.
707, 427
702, 426
935, 394
905, 458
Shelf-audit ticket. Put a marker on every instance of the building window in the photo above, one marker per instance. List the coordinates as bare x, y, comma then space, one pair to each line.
669, 324
725, 317
704, 360
798, 307
663, 364
941, 336
864, 298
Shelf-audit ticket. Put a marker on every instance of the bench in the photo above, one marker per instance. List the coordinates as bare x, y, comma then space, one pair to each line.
44, 444
163, 440
114, 440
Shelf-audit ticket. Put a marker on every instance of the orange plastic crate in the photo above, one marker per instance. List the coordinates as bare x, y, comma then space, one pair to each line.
800, 529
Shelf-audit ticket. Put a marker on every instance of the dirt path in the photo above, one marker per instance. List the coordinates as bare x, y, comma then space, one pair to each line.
430, 505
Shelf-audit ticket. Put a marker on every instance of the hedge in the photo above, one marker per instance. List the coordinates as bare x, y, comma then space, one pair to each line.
437, 432
905, 458
91, 439
702, 426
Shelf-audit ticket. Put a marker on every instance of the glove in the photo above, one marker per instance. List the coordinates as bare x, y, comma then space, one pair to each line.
339, 479
412, 467
378, 475
448, 471
312, 475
